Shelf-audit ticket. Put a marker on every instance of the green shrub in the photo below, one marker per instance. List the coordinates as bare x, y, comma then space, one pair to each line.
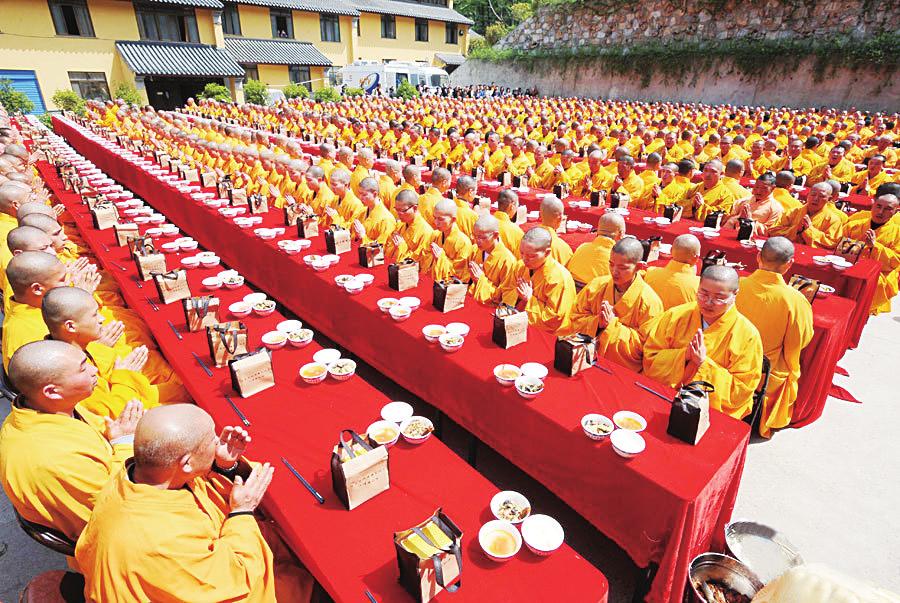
14, 100
520, 11
326, 95
494, 33
296, 91
68, 100
353, 91
128, 93
216, 92
406, 90
46, 119
255, 92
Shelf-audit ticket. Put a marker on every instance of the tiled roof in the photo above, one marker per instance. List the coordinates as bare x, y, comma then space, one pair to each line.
275, 52
197, 3
330, 7
411, 9
450, 58
172, 58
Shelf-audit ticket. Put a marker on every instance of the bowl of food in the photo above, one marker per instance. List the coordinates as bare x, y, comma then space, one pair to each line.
332, 259
715, 577
510, 506
663, 222
313, 372
630, 421
542, 534
648, 219
266, 234
240, 309
764, 550
386, 303
327, 356
209, 261
233, 281
415, 430
627, 444
212, 283
154, 233
274, 340
342, 279
300, 338
432, 332
396, 411
354, 287
383, 433
451, 342
458, 328
535, 369
309, 259
190, 262
252, 298
821, 260
292, 249
342, 369
506, 374
529, 387
500, 540
596, 426
320, 265
365, 278
842, 265
171, 247
264, 308
412, 303
289, 326
826, 290
400, 312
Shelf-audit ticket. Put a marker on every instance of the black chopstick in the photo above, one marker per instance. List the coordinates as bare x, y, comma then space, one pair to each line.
174, 330
202, 364
139, 284
237, 410
653, 391
303, 481
603, 368
122, 268
152, 304
370, 597
105, 248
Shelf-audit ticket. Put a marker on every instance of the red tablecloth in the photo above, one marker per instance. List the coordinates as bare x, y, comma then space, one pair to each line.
666, 506
348, 552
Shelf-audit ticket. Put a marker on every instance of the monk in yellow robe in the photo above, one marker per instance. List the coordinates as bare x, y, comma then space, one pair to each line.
543, 174
625, 180
365, 161
440, 184
540, 285
591, 259
177, 523
651, 178
784, 319
596, 179
613, 308
55, 455
734, 170
507, 209
710, 195
867, 181
676, 191
784, 184
676, 283
320, 196
880, 230
11, 196
708, 341
817, 223
492, 265
837, 168
452, 250
465, 197
377, 223
346, 208
552, 212
412, 236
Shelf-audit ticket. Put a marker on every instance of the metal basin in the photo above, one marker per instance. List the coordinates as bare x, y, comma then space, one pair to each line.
767, 552
725, 570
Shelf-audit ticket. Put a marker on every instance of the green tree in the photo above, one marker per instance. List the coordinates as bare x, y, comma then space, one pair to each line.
128, 93
296, 91
255, 92
14, 100
406, 90
494, 33
488, 12
326, 95
216, 92
68, 100
353, 91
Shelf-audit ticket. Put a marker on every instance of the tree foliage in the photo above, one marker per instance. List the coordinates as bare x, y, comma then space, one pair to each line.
128, 93
256, 93
489, 12
326, 95
296, 91
68, 100
353, 91
406, 90
216, 92
14, 100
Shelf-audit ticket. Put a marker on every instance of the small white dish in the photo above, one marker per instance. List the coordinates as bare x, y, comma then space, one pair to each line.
396, 411
627, 444
535, 369
498, 533
327, 356
542, 534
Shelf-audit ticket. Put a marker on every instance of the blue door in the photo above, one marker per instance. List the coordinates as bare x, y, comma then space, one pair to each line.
26, 81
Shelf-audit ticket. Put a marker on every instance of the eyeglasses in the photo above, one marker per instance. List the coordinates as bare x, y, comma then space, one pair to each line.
406, 209
712, 299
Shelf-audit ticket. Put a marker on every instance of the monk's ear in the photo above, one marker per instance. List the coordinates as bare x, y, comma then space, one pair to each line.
70, 326
51, 392
185, 463
36, 289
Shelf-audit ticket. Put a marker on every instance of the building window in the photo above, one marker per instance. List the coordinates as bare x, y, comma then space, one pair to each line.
331, 28
251, 72
421, 30
452, 34
356, 25
388, 27
71, 18
299, 74
231, 20
282, 23
166, 24
89, 85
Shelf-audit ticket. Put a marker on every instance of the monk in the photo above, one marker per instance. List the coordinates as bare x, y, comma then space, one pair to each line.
708, 340
784, 319
452, 250
591, 259
613, 308
492, 265
761, 207
440, 184
347, 207
507, 208
11, 197
710, 195
376, 224
389, 182
879, 229
540, 285
55, 455
816, 223
784, 184
465, 198
412, 236
177, 524
552, 214
676, 283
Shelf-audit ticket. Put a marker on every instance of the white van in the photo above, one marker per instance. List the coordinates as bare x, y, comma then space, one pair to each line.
370, 74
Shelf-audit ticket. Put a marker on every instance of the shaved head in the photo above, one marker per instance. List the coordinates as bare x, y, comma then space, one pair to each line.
407, 197
537, 239
611, 225
487, 224
28, 238
686, 249
66, 303
725, 275
445, 207
167, 433
552, 211
440, 177
34, 207
53, 376
12, 195
776, 252
34, 268
630, 248
340, 175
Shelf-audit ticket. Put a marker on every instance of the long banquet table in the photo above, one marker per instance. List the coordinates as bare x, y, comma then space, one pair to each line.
665, 506
301, 422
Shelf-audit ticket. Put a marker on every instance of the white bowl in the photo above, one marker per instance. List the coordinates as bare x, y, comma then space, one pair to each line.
240, 309
396, 411
627, 414
342, 376
170, 247
327, 356
141, 219
710, 234
841, 266
649, 219
305, 338
309, 259
332, 259
514, 497
506, 381
400, 312
266, 234
627, 444
542, 534
154, 233
188, 245
414, 440
208, 261
503, 529
342, 279
826, 290
234, 282
427, 329
354, 286
365, 278
386, 303
321, 265
696, 229
304, 243
448, 343
596, 418
267, 311
252, 298
412, 303
459, 328
292, 250
819, 260
190, 262
212, 282
318, 366
274, 340
289, 326
748, 244
535, 369
381, 426
525, 380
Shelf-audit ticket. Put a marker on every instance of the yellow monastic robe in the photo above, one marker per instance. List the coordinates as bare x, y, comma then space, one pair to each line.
510, 232
559, 249
378, 222
150, 544
824, 233
886, 251
802, 165
596, 181
674, 193
622, 340
387, 191
871, 183
784, 320
544, 176
842, 172
465, 217
22, 324
591, 260
675, 283
359, 174
786, 199
733, 355
417, 238
323, 198
349, 210
427, 202
53, 466
454, 262
497, 266
646, 200
116, 387
494, 164
553, 294
717, 198
7, 223
735, 187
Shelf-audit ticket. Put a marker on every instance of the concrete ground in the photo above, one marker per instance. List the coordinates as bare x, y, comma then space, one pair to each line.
831, 487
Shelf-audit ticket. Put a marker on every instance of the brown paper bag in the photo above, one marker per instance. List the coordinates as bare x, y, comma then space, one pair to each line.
850, 249
189, 174
207, 179
371, 255
510, 327
292, 213
258, 204
128, 230
337, 240
252, 373
200, 312
104, 216
424, 577
307, 226
574, 353
359, 471
172, 286
223, 187
403, 275
226, 340
651, 248
238, 197
689, 414
809, 287
447, 296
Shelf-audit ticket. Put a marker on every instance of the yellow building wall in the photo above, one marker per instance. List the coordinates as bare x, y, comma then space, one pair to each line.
308, 29
372, 47
205, 26
274, 76
255, 21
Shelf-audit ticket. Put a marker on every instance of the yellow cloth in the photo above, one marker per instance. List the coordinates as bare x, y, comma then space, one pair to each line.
734, 185
675, 193
53, 466
842, 172
591, 259
349, 209
149, 544
386, 191
784, 320
869, 184
646, 200
559, 249
510, 232
465, 218
733, 355
497, 267
717, 198
359, 174
787, 200
7, 223
378, 222
454, 262
824, 233
544, 176
116, 387
22, 324
886, 251
622, 340
427, 201
416, 244
676, 283
553, 294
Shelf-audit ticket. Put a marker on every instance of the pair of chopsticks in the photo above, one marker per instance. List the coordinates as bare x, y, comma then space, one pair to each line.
303, 481
174, 330
237, 411
653, 391
152, 304
122, 268
202, 364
